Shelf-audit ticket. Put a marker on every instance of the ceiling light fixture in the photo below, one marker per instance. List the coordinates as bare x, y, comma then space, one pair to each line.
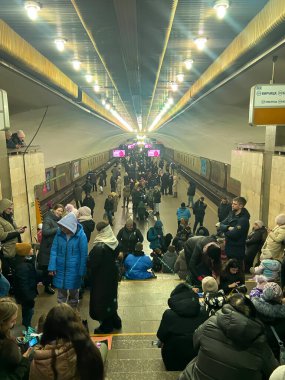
170, 101
76, 64
60, 43
32, 8
107, 106
180, 78
200, 42
104, 102
188, 63
89, 78
221, 7
96, 87
174, 86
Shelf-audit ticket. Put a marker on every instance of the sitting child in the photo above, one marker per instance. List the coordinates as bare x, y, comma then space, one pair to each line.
214, 298
269, 267
231, 278
156, 260
169, 259
257, 291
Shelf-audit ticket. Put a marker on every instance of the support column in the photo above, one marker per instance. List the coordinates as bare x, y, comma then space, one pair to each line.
274, 136
5, 179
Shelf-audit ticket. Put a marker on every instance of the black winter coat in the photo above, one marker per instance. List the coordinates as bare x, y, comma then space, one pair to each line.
156, 196
128, 239
177, 327
89, 202
48, 233
236, 238
13, 366
199, 209
88, 227
223, 211
255, 241
103, 282
25, 280
191, 189
231, 346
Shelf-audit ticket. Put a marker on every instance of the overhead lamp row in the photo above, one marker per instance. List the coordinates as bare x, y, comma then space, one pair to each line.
33, 8
220, 7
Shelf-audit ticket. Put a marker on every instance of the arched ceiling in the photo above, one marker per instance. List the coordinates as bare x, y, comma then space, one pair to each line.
134, 49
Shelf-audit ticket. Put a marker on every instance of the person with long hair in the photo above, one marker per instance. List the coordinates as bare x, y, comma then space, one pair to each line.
104, 280
66, 351
13, 365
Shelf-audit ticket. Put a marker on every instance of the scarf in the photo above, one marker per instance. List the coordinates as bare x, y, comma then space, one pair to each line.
107, 237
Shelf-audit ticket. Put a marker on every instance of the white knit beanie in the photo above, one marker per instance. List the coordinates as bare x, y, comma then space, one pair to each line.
278, 374
209, 284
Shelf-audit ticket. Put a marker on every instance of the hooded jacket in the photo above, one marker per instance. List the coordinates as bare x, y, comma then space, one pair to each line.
180, 266
68, 256
236, 238
48, 233
231, 346
177, 327
168, 261
155, 235
183, 212
269, 268
274, 242
8, 234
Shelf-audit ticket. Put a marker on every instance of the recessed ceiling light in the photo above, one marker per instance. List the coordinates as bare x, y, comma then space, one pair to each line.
104, 102
170, 101
188, 63
200, 42
180, 78
221, 7
107, 106
32, 8
60, 43
76, 64
174, 86
96, 87
88, 78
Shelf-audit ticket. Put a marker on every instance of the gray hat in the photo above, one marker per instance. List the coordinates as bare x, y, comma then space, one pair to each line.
272, 292
209, 284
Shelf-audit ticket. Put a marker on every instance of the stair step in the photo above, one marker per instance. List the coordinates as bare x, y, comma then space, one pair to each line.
133, 343
159, 375
137, 365
131, 353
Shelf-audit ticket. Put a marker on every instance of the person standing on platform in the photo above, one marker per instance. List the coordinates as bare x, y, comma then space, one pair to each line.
48, 233
109, 208
156, 200
175, 186
199, 212
126, 195
235, 228
119, 186
77, 193
164, 183
183, 213
104, 177
93, 180
88, 201
101, 183
68, 258
129, 236
104, 280
113, 183
224, 209
191, 193
170, 184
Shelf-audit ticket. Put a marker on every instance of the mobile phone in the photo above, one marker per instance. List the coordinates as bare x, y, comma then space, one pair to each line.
34, 341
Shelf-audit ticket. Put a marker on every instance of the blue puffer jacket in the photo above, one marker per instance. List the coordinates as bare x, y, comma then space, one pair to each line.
136, 267
183, 212
68, 259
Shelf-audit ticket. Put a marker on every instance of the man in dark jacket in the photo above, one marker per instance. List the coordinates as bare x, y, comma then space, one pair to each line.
87, 187
177, 327
164, 183
89, 202
109, 208
199, 212
77, 193
235, 228
191, 193
231, 345
224, 209
93, 180
129, 236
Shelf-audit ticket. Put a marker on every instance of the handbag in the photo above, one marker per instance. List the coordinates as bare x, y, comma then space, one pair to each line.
281, 346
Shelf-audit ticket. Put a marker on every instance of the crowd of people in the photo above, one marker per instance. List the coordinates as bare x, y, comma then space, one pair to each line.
15, 140
211, 327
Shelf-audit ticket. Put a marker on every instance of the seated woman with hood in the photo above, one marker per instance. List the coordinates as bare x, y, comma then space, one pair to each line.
231, 345
138, 265
85, 219
155, 235
271, 310
177, 327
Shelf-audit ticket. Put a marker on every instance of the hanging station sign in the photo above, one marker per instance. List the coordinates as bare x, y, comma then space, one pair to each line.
267, 105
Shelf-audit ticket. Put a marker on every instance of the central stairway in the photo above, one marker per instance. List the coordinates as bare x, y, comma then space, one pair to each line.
133, 357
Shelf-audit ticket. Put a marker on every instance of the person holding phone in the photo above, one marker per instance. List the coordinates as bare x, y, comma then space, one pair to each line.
231, 276
13, 365
10, 234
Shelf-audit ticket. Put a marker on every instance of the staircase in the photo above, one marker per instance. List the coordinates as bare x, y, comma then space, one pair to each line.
133, 357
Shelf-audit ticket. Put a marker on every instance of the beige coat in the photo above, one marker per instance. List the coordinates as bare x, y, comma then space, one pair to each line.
175, 184
9, 248
273, 243
65, 363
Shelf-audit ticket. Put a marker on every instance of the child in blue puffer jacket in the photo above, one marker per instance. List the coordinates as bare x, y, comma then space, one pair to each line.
269, 267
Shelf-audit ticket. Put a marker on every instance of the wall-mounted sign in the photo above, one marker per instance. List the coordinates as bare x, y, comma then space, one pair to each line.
119, 153
4, 111
153, 153
267, 105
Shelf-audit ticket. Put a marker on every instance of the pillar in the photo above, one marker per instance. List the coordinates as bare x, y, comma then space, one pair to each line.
5, 179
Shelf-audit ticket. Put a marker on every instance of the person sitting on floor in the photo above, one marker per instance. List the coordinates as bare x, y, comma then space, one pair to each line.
169, 259
180, 266
257, 291
156, 255
231, 277
269, 267
138, 265
214, 299
178, 325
